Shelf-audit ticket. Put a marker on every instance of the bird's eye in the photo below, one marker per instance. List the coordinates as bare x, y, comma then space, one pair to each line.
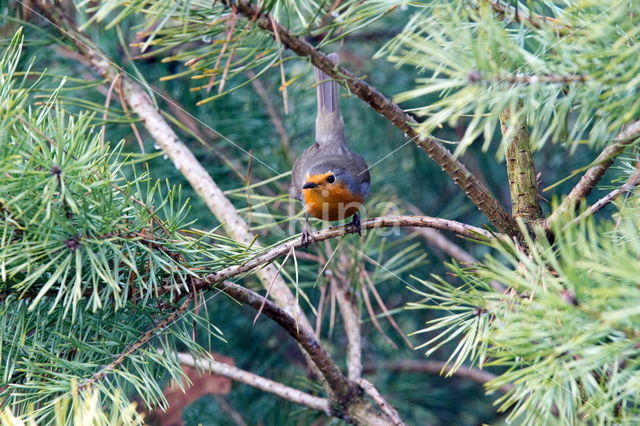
331, 179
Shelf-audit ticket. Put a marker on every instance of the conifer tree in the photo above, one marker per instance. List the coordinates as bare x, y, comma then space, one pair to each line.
143, 209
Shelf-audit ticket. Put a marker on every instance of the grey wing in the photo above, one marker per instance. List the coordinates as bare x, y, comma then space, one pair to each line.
365, 185
363, 175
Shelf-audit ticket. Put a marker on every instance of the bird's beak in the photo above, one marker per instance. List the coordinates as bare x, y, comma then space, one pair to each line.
309, 185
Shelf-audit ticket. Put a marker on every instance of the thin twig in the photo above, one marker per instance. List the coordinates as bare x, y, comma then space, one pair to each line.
373, 316
126, 112
592, 176
227, 408
267, 256
225, 73
266, 295
631, 183
377, 397
259, 261
368, 281
259, 382
328, 17
437, 368
283, 78
332, 312
107, 103
230, 31
320, 309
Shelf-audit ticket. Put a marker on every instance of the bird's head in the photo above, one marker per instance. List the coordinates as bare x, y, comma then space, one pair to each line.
332, 193
321, 182
324, 181
328, 182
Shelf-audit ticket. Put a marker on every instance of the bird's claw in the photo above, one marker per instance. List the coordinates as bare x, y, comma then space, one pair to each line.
307, 237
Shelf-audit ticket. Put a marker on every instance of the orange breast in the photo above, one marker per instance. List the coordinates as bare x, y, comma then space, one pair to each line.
335, 202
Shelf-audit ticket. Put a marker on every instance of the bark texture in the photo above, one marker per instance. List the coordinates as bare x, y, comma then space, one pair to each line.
520, 167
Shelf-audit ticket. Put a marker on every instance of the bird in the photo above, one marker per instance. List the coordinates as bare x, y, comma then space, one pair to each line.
330, 180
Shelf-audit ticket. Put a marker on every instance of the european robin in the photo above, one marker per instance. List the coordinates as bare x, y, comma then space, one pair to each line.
330, 180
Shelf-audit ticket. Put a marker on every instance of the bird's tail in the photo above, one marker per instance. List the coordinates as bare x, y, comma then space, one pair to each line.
327, 90
329, 125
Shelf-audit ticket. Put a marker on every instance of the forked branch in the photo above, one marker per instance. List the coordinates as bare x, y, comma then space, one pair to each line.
348, 402
342, 388
592, 176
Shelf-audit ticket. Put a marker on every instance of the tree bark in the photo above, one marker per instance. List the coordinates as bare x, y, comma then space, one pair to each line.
520, 167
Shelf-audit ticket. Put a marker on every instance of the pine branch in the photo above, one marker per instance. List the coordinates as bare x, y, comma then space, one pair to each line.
290, 394
437, 368
148, 335
334, 232
592, 176
520, 167
631, 183
472, 187
342, 388
259, 261
345, 393
519, 15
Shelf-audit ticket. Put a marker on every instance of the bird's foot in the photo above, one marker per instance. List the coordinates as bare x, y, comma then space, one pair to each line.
307, 237
356, 224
